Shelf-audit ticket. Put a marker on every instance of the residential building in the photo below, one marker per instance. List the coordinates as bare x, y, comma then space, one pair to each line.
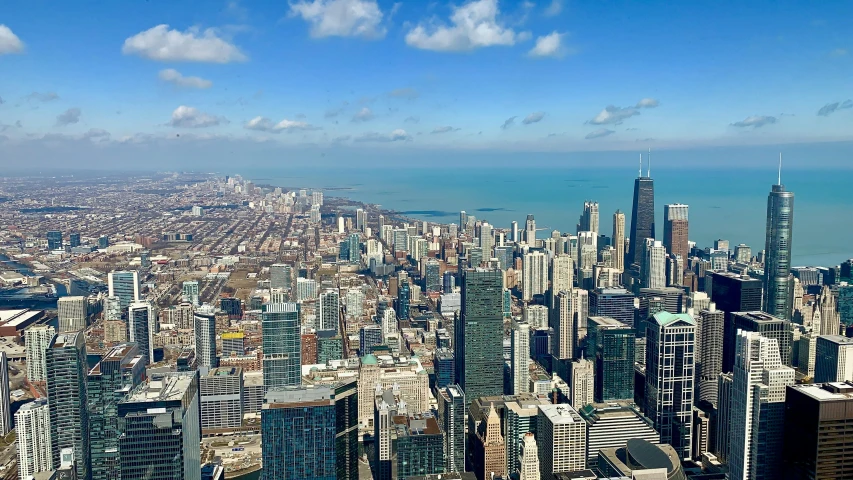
72, 313
618, 240
520, 358
562, 440
66, 393
583, 383
777, 251
451, 404
125, 286
282, 360
205, 337
37, 339
709, 352
142, 324
610, 345
534, 272
32, 433
190, 292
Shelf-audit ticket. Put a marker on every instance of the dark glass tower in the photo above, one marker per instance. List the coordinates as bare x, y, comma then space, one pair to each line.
479, 335
777, 252
610, 345
642, 217
65, 358
282, 340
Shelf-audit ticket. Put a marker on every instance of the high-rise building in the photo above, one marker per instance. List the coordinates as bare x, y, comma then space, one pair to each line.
536, 316
72, 313
37, 339
487, 240
330, 310
830, 320
354, 241
534, 275
74, 239
5, 407
818, 431
66, 393
768, 326
589, 218
32, 429
190, 292
670, 347
160, 429
280, 276
583, 383
232, 306
610, 345
118, 372
616, 303
432, 276
562, 274
654, 265
221, 393
562, 440
419, 445
54, 240
369, 336
103, 242
529, 462
642, 216
619, 240
757, 408
306, 289
360, 219
514, 237
611, 425
530, 230
520, 358
777, 251
479, 334
282, 361
205, 337
451, 402
833, 359
563, 324
732, 293
142, 323
125, 286
675, 229
709, 353
404, 298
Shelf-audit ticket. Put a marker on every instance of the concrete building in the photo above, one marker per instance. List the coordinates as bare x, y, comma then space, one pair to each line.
385, 372
330, 310
654, 265
583, 383
534, 275
190, 292
641, 460
37, 338
205, 337
618, 241
818, 431
32, 429
709, 352
520, 358
451, 408
562, 440
675, 229
221, 393
833, 359
529, 461
72, 313
611, 425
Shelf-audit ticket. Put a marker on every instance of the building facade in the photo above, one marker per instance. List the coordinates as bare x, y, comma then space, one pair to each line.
777, 252
282, 361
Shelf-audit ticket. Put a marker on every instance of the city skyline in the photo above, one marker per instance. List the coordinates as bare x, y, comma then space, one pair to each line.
421, 78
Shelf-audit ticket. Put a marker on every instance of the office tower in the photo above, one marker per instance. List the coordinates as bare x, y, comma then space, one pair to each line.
562, 274
282, 361
190, 292
118, 372
611, 425
818, 422
487, 241
563, 325
420, 445
833, 359
562, 440
330, 308
743, 253
583, 383
732, 293
618, 241
534, 275
205, 337
369, 336
125, 286
103, 242
675, 229
306, 289
445, 368
463, 219
330, 346
616, 303
112, 308
233, 343
807, 353
709, 352
520, 358
536, 316
221, 393
757, 408
432, 276
32, 429
404, 299
142, 322
642, 216
529, 460
72, 313
280, 276
54, 240
777, 263
653, 300
654, 266
37, 339
74, 239
451, 402
66, 393
589, 218
669, 378
479, 334
768, 326
830, 321
514, 232
530, 230
610, 345
491, 446
160, 429
724, 400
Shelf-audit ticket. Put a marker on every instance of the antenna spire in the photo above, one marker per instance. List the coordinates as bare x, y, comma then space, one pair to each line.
641, 165
780, 169
649, 174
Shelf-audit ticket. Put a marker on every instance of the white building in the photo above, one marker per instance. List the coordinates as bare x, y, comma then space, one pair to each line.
529, 459
562, 274
190, 292
37, 338
562, 440
654, 266
563, 325
72, 313
487, 241
32, 428
204, 322
520, 358
306, 289
536, 316
619, 240
534, 275
583, 383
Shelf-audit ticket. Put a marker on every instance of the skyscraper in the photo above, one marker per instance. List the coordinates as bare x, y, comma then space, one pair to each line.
675, 229
562, 274
589, 218
583, 383
654, 265
757, 408
530, 230
709, 353
833, 359
142, 323
330, 310
562, 440
160, 429
520, 358
534, 275
72, 313
610, 345
451, 402
487, 240
32, 429
529, 459
777, 250
611, 425
818, 422
280, 276
619, 240
66, 393
479, 334
616, 303
190, 292
670, 346
37, 339
768, 326
125, 286
54, 240
282, 342
562, 321
5, 407
205, 337
642, 216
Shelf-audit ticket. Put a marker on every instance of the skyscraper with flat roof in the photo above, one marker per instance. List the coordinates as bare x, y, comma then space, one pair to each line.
451, 401
611, 425
66, 393
32, 430
675, 229
54, 240
520, 358
619, 240
610, 346
709, 353
777, 251
562, 440
833, 359
642, 216
142, 322
282, 342
37, 338
818, 431
205, 337
125, 286
72, 313
616, 303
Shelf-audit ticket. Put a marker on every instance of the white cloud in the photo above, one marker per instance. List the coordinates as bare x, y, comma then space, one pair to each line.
549, 46
613, 115
755, 121
263, 124
554, 9
601, 132
194, 45
189, 117
173, 76
472, 25
72, 115
341, 18
397, 135
363, 115
533, 118
648, 103
9, 42
445, 129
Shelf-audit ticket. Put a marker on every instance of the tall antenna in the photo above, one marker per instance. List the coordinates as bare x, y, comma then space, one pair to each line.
780, 169
650, 163
641, 165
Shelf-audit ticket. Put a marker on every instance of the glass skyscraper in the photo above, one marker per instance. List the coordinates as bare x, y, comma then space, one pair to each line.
642, 217
66, 393
610, 345
54, 240
282, 341
125, 286
479, 334
777, 252
205, 337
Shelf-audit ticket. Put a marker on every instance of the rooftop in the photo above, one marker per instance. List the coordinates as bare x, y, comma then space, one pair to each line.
560, 413
834, 391
166, 388
303, 396
839, 339
607, 322
665, 318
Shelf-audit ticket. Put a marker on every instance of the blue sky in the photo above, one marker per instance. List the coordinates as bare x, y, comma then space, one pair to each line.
214, 82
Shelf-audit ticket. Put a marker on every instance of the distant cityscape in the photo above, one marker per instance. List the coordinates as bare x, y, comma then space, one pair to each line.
203, 326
